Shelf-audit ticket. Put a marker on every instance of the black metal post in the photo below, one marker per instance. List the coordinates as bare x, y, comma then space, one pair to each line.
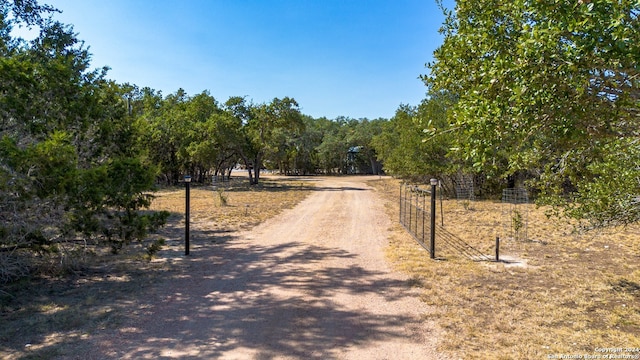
434, 182
187, 183
497, 248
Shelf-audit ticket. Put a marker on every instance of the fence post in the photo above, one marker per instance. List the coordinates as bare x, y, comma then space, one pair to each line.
407, 209
400, 204
417, 208
434, 183
410, 210
497, 248
424, 207
441, 208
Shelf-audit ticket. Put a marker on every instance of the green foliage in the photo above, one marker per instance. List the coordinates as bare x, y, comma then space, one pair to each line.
333, 148
551, 89
415, 142
266, 123
183, 134
338, 137
296, 153
604, 190
263, 127
517, 223
71, 170
153, 249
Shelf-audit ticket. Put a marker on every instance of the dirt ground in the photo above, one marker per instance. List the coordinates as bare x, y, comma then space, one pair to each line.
311, 283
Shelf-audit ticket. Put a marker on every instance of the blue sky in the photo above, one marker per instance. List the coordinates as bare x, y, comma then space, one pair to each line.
354, 58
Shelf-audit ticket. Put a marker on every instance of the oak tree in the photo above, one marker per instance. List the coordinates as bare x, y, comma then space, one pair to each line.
552, 89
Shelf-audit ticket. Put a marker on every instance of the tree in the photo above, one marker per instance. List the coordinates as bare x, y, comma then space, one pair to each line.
260, 127
402, 145
360, 141
214, 147
200, 148
70, 173
301, 149
548, 88
333, 148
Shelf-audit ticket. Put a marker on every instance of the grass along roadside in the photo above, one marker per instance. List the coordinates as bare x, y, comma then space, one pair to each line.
235, 205
565, 293
53, 317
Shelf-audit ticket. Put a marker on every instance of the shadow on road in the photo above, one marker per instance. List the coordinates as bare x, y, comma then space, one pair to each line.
254, 300
223, 299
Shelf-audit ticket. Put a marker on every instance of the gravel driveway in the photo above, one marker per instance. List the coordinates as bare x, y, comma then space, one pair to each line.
311, 283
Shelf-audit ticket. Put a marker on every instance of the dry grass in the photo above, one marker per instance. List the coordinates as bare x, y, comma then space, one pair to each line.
562, 293
243, 206
49, 318
565, 293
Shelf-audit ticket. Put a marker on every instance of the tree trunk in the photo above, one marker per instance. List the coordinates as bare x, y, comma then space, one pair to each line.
250, 170
256, 168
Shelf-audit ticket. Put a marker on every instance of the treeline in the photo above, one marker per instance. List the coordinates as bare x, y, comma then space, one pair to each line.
197, 135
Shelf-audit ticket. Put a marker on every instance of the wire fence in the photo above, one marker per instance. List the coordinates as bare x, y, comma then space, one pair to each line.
516, 213
417, 215
414, 214
456, 245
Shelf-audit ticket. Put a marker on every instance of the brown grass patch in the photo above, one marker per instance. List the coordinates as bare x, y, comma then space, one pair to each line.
565, 293
244, 206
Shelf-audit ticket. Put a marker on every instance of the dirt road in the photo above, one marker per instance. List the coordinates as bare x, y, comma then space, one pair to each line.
311, 283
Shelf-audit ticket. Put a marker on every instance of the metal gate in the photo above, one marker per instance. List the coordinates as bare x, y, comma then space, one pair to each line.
418, 215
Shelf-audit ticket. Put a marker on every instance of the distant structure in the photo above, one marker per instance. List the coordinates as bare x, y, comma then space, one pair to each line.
361, 162
352, 160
